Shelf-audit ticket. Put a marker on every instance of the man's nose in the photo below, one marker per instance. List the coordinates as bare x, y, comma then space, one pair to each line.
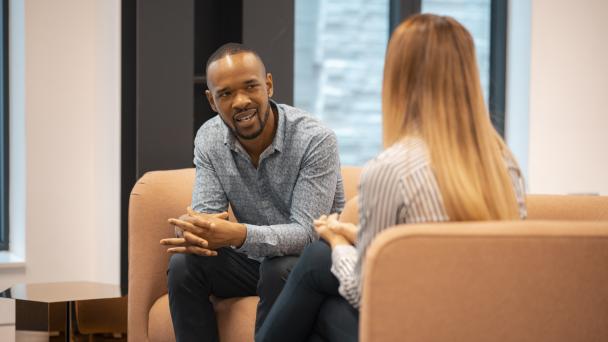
241, 101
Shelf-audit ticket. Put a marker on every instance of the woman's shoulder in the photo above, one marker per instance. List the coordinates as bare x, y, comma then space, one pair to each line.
400, 159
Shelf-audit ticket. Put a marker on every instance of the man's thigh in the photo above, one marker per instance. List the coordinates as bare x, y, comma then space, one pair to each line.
229, 274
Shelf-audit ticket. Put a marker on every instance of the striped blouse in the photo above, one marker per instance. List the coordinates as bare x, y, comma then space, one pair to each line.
397, 187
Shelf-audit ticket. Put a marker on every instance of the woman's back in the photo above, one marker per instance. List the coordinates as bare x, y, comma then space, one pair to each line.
398, 187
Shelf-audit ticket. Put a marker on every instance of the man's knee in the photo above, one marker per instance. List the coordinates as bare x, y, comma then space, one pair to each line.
183, 270
177, 272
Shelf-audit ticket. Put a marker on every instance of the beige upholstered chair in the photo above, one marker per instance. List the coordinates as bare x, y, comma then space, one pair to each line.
491, 281
156, 197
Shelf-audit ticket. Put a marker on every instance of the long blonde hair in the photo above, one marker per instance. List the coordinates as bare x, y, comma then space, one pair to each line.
431, 89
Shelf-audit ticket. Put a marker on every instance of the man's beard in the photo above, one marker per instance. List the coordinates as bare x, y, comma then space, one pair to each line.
262, 122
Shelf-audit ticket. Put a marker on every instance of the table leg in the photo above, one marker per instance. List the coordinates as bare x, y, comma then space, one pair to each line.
68, 322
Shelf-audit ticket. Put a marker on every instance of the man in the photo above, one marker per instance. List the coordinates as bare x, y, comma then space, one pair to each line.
277, 167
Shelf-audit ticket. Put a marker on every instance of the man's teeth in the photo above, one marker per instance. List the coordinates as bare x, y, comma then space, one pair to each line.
245, 118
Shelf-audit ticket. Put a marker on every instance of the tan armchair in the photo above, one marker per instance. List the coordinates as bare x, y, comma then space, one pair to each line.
156, 197
543, 279
488, 281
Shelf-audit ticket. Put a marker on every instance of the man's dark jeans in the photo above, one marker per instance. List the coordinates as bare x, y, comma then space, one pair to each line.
192, 279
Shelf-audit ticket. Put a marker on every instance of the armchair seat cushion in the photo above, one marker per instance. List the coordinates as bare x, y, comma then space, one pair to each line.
235, 316
160, 328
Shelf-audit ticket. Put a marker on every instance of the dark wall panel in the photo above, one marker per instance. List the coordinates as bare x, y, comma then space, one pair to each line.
215, 23
127, 129
165, 69
268, 27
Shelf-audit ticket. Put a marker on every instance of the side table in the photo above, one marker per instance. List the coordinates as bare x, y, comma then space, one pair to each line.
49, 307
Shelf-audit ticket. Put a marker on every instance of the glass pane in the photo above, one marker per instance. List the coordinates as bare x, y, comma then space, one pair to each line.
338, 70
475, 15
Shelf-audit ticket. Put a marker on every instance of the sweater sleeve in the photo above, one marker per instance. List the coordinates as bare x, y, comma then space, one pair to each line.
380, 198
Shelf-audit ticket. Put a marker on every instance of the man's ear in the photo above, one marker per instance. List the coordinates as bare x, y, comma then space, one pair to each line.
211, 101
269, 85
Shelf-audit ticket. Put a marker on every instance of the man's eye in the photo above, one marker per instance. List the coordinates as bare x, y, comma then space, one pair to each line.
252, 86
224, 94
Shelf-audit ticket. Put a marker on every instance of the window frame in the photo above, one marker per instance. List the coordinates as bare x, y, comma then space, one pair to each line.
4, 124
401, 9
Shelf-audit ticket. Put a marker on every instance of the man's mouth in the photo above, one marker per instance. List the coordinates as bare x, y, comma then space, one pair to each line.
245, 116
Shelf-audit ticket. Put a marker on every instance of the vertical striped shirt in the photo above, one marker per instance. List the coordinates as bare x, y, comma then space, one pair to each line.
397, 187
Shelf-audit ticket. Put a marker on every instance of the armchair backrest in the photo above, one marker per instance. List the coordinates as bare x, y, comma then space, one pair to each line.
540, 207
567, 207
156, 197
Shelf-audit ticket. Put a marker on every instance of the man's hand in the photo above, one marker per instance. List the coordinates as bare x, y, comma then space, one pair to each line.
215, 230
189, 244
322, 227
188, 241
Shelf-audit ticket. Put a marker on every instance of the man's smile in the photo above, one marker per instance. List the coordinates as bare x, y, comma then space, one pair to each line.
245, 115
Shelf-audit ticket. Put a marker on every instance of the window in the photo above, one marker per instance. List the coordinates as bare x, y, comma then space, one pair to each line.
339, 59
4, 125
338, 70
487, 22
475, 16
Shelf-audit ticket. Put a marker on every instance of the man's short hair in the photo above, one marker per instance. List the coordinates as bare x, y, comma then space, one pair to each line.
229, 49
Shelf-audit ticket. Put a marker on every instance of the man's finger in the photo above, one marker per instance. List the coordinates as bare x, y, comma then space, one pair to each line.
223, 215
192, 250
200, 222
173, 242
186, 226
201, 251
195, 240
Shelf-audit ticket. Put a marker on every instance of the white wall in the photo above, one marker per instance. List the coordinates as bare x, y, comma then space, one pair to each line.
71, 167
568, 137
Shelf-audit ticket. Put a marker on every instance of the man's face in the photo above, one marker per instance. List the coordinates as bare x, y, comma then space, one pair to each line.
239, 89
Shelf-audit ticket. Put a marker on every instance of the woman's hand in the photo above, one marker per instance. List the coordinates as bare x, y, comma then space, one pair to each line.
322, 225
348, 230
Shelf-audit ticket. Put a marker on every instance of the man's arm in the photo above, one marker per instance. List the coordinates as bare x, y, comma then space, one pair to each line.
313, 196
208, 196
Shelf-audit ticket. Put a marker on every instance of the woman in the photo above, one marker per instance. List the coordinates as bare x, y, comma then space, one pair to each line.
444, 162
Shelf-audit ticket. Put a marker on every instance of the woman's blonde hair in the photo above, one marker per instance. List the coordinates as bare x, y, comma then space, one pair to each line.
431, 89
